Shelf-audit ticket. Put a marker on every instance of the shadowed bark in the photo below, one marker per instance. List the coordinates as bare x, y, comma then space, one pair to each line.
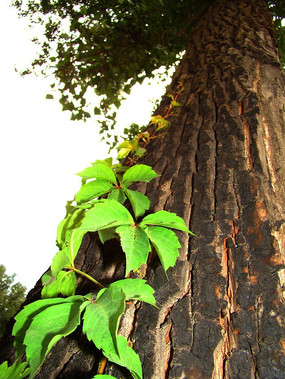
221, 313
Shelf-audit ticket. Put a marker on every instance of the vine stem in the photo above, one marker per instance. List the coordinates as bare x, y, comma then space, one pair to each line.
87, 276
102, 365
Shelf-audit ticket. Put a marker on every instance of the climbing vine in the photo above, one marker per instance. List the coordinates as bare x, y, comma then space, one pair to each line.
99, 207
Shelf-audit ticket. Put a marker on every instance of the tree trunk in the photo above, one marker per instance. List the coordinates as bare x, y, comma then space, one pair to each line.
221, 313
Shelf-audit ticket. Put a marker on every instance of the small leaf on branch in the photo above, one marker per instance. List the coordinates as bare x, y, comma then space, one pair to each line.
135, 245
167, 219
93, 189
140, 203
136, 289
117, 194
165, 243
139, 173
99, 171
106, 214
159, 122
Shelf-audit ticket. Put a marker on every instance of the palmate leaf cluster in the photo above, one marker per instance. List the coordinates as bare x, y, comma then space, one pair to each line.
98, 208
109, 45
111, 219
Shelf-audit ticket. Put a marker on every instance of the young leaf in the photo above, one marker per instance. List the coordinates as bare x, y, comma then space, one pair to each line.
140, 203
15, 371
63, 318
24, 319
125, 148
166, 245
117, 194
99, 171
135, 245
106, 214
140, 151
93, 189
167, 219
139, 173
124, 152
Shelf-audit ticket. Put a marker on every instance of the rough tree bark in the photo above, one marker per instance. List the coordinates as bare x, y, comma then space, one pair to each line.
221, 314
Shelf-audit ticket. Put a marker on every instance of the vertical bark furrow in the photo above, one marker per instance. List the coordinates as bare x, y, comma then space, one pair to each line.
232, 288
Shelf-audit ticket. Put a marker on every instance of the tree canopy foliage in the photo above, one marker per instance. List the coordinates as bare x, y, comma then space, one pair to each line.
11, 297
107, 46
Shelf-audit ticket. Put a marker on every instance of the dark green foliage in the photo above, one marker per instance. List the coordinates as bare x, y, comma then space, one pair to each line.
11, 297
107, 46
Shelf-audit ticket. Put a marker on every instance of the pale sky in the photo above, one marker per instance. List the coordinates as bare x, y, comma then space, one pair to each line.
40, 152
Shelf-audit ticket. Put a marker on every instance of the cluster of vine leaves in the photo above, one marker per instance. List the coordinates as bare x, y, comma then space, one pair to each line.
98, 207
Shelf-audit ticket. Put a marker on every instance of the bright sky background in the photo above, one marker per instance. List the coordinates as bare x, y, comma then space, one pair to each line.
40, 152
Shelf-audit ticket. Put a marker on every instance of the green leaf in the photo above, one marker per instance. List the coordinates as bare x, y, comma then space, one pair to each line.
139, 173
160, 122
49, 96
140, 203
140, 151
166, 245
93, 189
127, 357
60, 261
73, 242
15, 371
167, 219
106, 214
135, 245
135, 289
69, 222
65, 284
101, 320
99, 171
106, 234
48, 278
103, 377
117, 194
49, 326
124, 152
24, 319
61, 229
